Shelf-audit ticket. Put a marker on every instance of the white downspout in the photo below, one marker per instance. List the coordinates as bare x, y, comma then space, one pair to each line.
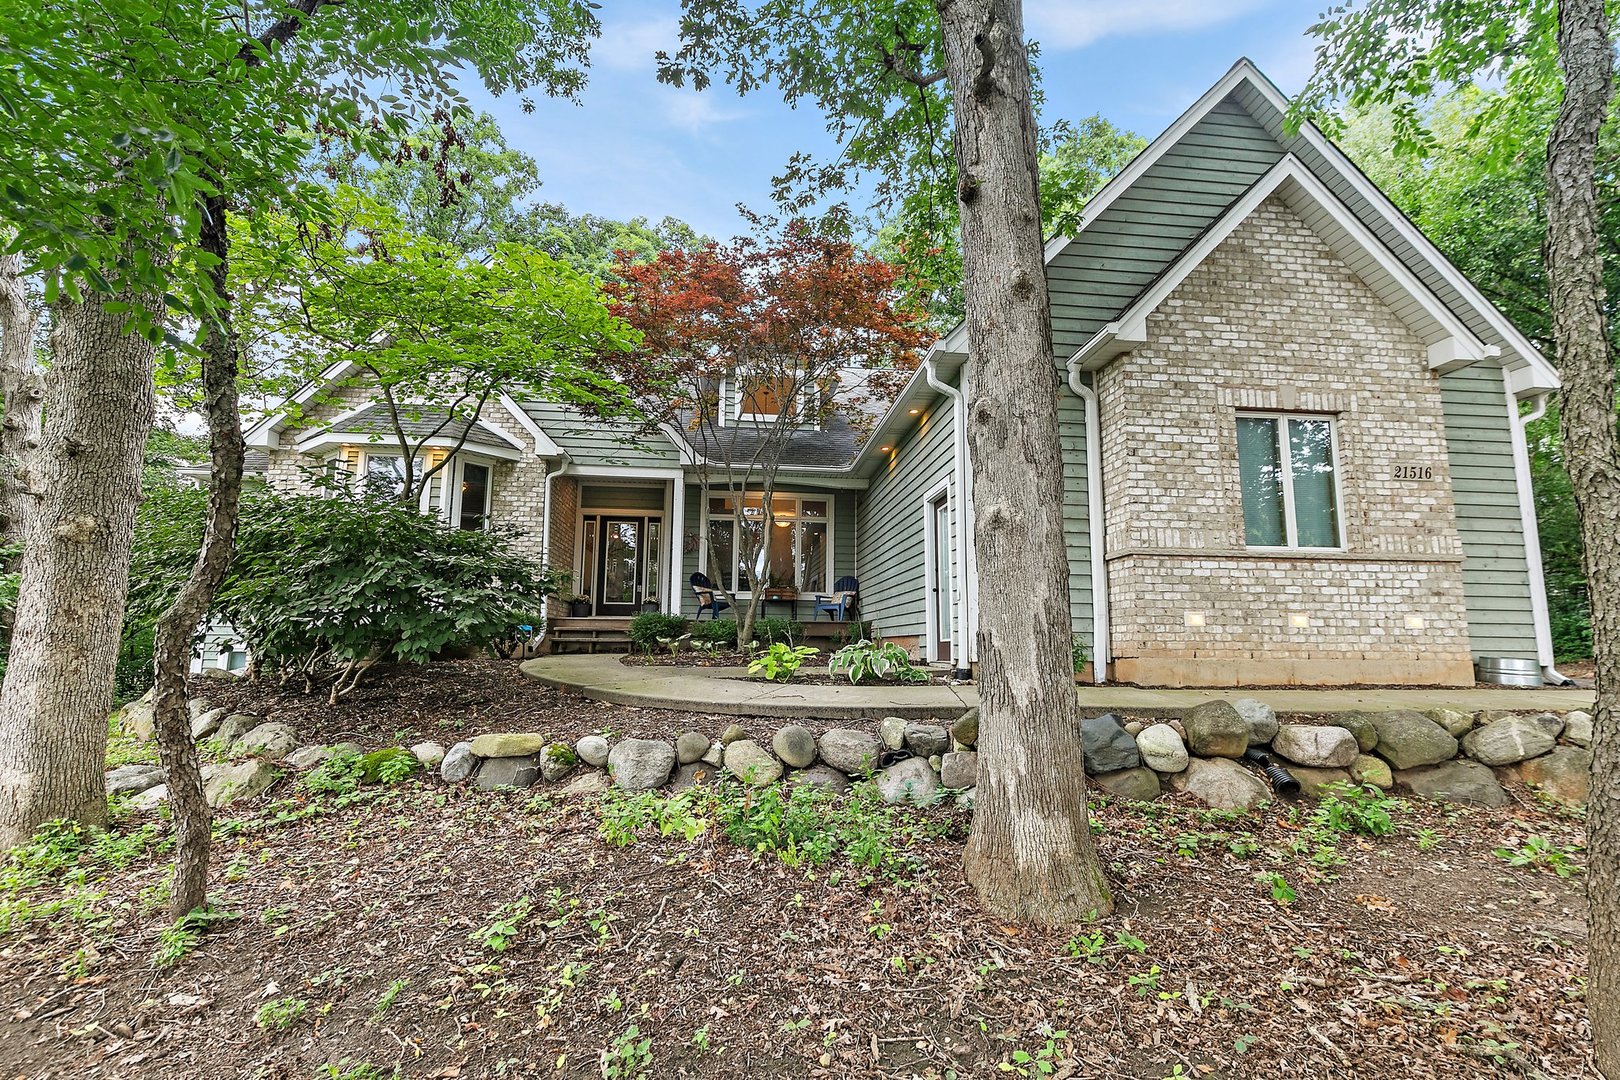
1101, 647
545, 524
1517, 422
959, 629
677, 546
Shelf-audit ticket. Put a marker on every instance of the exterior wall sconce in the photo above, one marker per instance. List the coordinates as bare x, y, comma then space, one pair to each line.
1414, 622
1194, 618
1299, 622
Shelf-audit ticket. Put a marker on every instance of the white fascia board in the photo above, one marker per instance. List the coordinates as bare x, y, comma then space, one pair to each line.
266, 433
544, 445
1542, 375
1450, 342
327, 437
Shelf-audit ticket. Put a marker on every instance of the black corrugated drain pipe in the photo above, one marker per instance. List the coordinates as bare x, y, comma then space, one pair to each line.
1282, 781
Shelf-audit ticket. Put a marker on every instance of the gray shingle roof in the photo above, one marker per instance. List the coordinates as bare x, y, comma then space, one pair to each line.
418, 423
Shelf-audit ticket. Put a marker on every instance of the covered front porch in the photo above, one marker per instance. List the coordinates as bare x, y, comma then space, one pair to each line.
635, 539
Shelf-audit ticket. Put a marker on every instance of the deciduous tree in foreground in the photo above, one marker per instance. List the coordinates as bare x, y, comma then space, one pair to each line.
892, 80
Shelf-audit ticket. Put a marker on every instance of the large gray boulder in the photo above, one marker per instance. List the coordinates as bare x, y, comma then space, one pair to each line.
1410, 740
851, 751
1140, 784
557, 760
1316, 747
694, 774
752, 763
1509, 741
206, 723
1454, 782
912, 781
307, 757
429, 754
1578, 728
1367, 769
1361, 725
516, 771
1564, 775
926, 740
458, 764
1261, 718
965, 729
272, 742
1107, 745
795, 745
892, 732
641, 764
1313, 783
593, 750
959, 770
1162, 748
824, 777
1215, 730
136, 718
1221, 783
134, 779
690, 746
1456, 723
508, 744
196, 706
233, 727
225, 784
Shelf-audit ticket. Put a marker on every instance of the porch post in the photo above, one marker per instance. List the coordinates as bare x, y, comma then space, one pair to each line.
677, 544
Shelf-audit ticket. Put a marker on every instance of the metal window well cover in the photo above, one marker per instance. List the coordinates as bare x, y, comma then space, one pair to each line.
1508, 671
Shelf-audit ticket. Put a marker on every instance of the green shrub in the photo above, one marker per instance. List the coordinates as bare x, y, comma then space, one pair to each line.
721, 633
776, 631
1080, 650
1353, 808
868, 661
649, 627
325, 584
781, 662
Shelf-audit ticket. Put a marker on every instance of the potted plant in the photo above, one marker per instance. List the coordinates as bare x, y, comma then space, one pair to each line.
579, 607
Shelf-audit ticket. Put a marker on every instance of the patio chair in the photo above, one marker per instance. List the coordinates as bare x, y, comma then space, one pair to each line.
708, 599
841, 601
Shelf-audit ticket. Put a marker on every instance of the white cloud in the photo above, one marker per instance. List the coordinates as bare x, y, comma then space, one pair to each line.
693, 112
631, 45
1074, 24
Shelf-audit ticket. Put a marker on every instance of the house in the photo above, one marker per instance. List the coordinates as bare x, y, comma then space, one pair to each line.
1293, 442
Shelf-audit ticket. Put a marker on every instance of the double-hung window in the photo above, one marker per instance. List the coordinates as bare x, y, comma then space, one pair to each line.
1289, 470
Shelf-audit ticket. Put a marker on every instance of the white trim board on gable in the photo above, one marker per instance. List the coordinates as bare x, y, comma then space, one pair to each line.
1528, 371
1450, 343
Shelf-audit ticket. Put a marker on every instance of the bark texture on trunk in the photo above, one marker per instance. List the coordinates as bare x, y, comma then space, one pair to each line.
171, 653
75, 570
1591, 453
1030, 855
21, 390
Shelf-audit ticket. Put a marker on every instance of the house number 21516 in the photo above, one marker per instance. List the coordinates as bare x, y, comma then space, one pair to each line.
1414, 472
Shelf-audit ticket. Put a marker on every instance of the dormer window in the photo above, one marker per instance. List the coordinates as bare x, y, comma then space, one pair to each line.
766, 397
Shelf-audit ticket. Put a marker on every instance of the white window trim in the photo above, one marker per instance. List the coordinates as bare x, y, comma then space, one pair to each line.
1286, 465
449, 498
735, 518
931, 541
801, 400
452, 474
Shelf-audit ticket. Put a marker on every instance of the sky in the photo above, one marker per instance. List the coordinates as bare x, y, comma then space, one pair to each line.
634, 148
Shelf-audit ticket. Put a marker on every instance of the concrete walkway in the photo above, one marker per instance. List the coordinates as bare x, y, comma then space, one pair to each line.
728, 691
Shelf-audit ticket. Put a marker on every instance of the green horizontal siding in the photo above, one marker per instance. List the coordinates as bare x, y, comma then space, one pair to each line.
1144, 230
1496, 577
590, 442
622, 496
893, 572
1076, 508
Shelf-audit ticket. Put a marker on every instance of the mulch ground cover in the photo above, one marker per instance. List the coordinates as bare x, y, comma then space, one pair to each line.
452, 933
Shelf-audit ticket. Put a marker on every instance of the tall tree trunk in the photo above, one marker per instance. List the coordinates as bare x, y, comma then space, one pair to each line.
1030, 855
1592, 455
171, 653
75, 569
21, 390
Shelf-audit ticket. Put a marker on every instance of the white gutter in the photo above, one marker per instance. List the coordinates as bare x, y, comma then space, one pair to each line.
960, 628
1532, 534
1101, 647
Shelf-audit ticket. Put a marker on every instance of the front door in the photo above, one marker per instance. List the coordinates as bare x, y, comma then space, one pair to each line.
939, 575
621, 565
